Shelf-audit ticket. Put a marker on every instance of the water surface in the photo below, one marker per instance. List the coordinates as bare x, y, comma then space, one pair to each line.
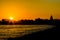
12, 31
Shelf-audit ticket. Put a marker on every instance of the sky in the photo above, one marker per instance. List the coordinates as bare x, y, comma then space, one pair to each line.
29, 9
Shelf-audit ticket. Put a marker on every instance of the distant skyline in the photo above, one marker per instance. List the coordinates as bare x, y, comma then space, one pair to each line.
29, 9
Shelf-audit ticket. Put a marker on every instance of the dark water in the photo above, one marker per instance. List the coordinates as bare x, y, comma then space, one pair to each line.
12, 31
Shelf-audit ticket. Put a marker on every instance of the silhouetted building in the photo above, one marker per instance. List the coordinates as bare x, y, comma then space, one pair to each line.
51, 18
4, 21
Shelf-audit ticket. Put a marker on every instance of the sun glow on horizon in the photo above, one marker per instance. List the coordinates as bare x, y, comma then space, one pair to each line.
11, 18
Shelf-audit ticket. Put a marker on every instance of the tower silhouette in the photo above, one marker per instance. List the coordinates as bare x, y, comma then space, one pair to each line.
51, 18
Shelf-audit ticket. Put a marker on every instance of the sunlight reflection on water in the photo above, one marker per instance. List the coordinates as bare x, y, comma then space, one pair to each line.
11, 31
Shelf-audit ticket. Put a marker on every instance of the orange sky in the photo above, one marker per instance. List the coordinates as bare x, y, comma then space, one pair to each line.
29, 9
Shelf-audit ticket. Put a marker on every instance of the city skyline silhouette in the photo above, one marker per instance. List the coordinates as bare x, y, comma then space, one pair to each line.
37, 21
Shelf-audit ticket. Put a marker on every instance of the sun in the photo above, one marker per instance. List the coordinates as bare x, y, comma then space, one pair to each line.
11, 18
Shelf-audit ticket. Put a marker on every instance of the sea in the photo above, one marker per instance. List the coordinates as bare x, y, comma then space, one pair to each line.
13, 31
